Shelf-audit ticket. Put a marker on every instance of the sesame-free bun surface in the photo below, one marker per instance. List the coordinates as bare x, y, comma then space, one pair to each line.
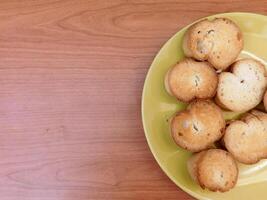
190, 79
218, 41
217, 170
199, 126
243, 87
246, 139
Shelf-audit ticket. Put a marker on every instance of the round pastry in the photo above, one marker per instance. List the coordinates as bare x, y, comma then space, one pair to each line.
215, 169
218, 41
199, 126
190, 79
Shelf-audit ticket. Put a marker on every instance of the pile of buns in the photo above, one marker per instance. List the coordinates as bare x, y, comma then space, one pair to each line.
211, 79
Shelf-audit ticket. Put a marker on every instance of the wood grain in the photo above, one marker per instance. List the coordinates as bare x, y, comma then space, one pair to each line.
71, 77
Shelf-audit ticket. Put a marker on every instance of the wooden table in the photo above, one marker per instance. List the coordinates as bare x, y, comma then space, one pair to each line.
71, 78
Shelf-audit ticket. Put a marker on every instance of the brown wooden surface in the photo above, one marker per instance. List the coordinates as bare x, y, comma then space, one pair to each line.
71, 77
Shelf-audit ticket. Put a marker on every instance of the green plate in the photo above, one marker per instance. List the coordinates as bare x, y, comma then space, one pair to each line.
158, 107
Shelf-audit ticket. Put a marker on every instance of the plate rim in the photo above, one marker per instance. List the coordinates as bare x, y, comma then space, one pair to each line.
148, 74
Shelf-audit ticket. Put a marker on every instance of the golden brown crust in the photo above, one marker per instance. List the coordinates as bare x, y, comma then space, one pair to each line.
217, 171
190, 79
198, 127
243, 87
218, 41
246, 139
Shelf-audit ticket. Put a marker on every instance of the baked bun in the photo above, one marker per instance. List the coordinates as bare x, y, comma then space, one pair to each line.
218, 41
190, 79
243, 88
246, 139
215, 169
199, 126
